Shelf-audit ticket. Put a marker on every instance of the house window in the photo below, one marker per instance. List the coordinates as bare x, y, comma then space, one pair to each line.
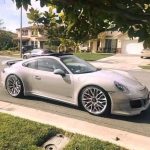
35, 44
32, 43
34, 32
25, 32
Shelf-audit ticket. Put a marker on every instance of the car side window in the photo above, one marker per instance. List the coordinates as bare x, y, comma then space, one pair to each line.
49, 64
31, 64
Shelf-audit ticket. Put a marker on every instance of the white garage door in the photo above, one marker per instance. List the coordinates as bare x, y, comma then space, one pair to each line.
132, 47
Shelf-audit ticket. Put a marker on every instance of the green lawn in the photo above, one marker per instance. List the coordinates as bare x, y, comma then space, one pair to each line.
145, 67
79, 142
84, 55
22, 134
92, 56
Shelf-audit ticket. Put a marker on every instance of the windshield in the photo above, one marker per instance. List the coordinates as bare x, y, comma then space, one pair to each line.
76, 65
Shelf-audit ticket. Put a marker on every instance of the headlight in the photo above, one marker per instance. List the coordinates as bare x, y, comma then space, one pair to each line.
121, 87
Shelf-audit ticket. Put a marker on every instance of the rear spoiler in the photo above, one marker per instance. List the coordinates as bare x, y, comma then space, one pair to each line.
10, 62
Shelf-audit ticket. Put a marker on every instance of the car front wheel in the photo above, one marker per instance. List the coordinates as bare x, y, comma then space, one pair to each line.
95, 100
14, 86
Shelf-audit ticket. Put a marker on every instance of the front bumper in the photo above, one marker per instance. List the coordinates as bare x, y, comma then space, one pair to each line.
128, 105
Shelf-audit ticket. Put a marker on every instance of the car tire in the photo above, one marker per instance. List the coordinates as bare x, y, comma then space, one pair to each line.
14, 86
95, 100
25, 57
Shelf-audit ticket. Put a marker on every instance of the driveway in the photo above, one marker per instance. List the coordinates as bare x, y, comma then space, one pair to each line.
123, 62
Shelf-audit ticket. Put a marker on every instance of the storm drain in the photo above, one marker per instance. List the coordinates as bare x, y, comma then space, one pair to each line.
57, 142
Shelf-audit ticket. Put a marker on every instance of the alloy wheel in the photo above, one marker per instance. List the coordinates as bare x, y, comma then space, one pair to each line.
14, 85
94, 100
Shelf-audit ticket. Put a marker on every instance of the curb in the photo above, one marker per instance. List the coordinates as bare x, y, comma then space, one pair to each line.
121, 138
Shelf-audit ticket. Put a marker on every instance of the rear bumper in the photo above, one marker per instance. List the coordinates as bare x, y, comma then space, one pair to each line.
125, 105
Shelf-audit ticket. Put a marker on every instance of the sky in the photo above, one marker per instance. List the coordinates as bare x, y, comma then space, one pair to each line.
11, 15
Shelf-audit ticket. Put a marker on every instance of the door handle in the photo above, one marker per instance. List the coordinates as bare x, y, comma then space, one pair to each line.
37, 77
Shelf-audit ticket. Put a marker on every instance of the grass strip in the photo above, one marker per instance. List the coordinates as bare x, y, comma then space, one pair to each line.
85, 56
21, 134
145, 67
92, 56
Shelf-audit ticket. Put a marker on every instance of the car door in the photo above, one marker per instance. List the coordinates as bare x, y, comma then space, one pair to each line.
29, 76
50, 84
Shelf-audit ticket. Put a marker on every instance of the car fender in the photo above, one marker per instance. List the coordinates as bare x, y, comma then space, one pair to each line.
13, 72
79, 89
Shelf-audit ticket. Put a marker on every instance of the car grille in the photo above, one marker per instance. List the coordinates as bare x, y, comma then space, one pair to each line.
139, 103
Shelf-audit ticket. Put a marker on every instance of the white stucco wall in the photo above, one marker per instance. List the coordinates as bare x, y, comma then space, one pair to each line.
94, 46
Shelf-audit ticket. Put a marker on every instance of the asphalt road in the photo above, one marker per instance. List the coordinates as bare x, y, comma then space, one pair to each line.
137, 124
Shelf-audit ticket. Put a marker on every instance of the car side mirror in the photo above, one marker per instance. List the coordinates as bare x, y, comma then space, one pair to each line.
59, 72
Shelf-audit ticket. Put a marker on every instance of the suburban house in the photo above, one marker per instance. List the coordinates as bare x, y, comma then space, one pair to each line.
115, 42
31, 36
109, 42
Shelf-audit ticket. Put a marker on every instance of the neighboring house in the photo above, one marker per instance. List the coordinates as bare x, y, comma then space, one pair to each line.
32, 37
109, 42
117, 42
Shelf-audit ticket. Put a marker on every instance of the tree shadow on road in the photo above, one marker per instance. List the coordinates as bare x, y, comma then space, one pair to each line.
46, 104
144, 117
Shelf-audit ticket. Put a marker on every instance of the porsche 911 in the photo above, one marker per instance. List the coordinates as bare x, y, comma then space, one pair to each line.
69, 79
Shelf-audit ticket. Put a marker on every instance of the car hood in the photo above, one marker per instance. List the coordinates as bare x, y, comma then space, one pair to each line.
109, 76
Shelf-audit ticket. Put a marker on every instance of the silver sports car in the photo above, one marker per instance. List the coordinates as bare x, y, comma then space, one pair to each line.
69, 79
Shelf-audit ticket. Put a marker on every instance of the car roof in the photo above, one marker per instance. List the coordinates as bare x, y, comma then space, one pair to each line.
59, 54
54, 55
37, 49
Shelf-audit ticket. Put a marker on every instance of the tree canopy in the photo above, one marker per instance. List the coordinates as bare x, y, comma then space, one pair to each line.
88, 18
51, 25
1, 23
7, 40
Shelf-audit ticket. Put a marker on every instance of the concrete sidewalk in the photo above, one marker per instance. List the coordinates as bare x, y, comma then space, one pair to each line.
126, 139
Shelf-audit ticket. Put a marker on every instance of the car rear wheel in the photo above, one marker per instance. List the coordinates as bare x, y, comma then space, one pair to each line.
14, 86
25, 57
95, 100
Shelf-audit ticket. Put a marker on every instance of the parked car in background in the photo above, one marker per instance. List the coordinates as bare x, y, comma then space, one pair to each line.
145, 53
67, 78
84, 48
26, 48
37, 52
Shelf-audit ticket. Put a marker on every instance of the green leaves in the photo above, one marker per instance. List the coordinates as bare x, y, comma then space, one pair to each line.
6, 40
34, 15
85, 19
131, 32
1, 23
23, 3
